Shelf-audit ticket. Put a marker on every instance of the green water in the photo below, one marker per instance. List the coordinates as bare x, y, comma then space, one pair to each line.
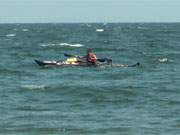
84, 100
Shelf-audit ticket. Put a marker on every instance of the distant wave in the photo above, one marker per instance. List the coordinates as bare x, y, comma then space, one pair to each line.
109, 49
73, 45
61, 44
32, 86
142, 28
10, 35
163, 60
48, 44
25, 30
99, 30
88, 25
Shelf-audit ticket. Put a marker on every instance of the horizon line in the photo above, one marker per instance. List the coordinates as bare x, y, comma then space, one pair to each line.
87, 22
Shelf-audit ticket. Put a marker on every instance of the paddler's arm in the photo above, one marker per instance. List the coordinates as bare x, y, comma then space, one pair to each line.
105, 60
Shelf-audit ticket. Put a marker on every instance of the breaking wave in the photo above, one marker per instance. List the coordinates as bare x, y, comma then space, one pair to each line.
61, 44
99, 30
25, 30
163, 60
33, 86
10, 35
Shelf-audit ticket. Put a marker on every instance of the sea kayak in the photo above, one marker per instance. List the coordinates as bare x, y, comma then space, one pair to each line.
81, 64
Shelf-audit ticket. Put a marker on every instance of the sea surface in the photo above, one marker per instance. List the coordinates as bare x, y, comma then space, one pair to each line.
142, 100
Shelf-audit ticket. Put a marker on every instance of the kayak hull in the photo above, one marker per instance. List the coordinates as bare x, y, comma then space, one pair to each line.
60, 64
81, 64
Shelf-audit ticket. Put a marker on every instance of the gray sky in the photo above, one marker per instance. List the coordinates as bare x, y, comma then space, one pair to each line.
43, 11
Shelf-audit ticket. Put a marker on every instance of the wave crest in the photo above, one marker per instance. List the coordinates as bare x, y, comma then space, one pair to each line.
10, 35
61, 44
99, 30
25, 30
32, 86
163, 60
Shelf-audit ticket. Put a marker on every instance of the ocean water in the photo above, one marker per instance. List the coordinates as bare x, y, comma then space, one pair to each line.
142, 100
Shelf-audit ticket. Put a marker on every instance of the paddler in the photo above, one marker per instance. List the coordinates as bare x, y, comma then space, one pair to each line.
90, 57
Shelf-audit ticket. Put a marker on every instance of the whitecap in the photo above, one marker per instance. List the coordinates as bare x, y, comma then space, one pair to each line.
48, 44
61, 44
88, 25
10, 35
32, 86
99, 30
162, 60
72, 45
25, 30
142, 28
43, 45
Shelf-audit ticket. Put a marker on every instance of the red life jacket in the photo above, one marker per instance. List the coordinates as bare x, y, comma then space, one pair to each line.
91, 57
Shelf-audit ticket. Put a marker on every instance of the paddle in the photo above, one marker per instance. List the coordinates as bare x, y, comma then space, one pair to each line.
71, 55
125, 65
134, 65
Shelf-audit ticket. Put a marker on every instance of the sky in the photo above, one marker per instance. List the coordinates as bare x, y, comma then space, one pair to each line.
70, 11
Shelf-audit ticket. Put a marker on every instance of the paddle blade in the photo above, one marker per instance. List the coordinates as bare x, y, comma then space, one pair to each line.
68, 55
134, 65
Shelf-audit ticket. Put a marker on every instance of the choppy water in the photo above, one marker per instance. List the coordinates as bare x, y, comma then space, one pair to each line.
91, 101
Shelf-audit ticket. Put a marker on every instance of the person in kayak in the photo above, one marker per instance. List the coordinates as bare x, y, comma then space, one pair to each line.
90, 57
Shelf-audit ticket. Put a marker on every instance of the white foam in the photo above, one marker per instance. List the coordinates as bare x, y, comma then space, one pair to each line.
33, 86
47, 44
72, 45
25, 30
88, 25
142, 28
64, 44
10, 35
99, 30
162, 60
61, 44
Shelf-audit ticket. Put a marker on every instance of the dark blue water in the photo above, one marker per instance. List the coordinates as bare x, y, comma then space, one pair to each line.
86, 100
